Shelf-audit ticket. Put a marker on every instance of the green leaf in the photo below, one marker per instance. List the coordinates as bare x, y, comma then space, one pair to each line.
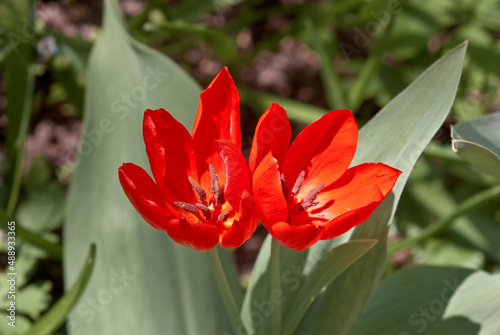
56, 315
143, 271
34, 298
341, 299
328, 268
478, 142
477, 300
23, 324
412, 301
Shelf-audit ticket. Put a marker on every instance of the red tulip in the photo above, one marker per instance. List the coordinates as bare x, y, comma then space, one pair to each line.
307, 192
201, 195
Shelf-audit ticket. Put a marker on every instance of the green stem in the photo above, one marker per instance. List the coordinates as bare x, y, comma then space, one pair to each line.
276, 284
471, 203
19, 145
225, 290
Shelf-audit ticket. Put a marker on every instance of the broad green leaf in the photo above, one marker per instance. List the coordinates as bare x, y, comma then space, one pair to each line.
365, 273
328, 268
478, 142
143, 282
57, 314
298, 268
477, 300
412, 301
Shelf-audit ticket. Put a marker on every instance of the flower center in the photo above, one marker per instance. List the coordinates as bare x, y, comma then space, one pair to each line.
308, 200
207, 211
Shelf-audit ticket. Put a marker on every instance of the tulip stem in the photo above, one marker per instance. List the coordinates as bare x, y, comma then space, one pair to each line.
225, 290
276, 284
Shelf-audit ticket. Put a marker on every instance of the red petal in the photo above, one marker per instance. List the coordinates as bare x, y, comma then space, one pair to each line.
193, 235
296, 237
354, 196
268, 192
171, 155
324, 149
218, 118
242, 228
273, 134
145, 195
237, 180
348, 220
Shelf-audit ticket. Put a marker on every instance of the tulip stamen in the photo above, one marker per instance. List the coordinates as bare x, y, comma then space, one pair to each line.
216, 189
308, 200
305, 205
298, 183
205, 210
223, 216
314, 192
283, 186
188, 207
198, 189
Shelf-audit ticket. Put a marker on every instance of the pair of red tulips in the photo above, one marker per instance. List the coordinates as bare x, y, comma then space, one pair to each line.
204, 192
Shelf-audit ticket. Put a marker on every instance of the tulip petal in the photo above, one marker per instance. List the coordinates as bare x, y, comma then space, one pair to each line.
296, 237
171, 154
218, 118
145, 195
324, 149
348, 220
242, 228
196, 236
237, 180
351, 199
272, 134
268, 192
